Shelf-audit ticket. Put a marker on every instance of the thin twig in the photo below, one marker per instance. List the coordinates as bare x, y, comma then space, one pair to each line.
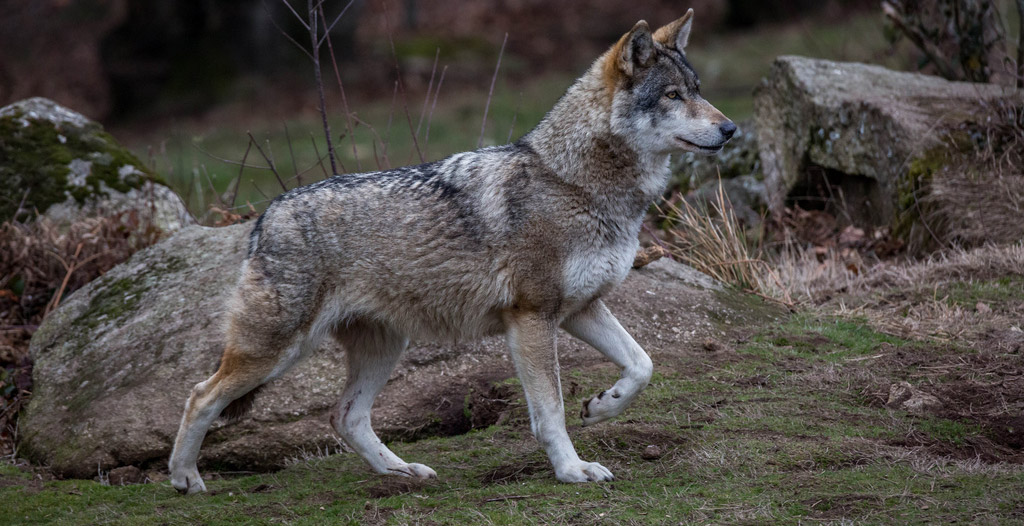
241, 168
494, 79
426, 98
270, 162
328, 28
228, 161
401, 85
514, 115
291, 152
17, 211
430, 117
281, 30
294, 12
387, 130
209, 181
314, 44
318, 156
350, 130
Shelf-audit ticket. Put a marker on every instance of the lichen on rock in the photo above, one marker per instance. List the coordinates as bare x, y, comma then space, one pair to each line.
57, 162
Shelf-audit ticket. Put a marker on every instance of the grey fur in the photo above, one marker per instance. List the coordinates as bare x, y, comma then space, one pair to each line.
516, 240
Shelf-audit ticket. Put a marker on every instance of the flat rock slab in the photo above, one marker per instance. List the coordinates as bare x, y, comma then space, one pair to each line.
115, 363
851, 119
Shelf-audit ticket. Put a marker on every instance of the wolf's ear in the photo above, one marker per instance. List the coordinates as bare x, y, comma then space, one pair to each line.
636, 48
676, 34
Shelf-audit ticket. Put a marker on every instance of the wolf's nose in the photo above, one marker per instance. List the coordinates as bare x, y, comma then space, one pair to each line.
727, 128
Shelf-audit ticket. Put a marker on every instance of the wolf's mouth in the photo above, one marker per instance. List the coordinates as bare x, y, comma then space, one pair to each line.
709, 149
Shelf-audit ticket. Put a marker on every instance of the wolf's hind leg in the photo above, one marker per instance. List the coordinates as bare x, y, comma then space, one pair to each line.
237, 376
372, 350
596, 326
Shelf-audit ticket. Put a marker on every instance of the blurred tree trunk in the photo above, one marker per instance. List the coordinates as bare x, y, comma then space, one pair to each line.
962, 39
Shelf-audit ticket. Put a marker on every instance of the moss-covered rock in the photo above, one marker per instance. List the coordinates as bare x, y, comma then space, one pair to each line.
59, 163
116, 361
859, 127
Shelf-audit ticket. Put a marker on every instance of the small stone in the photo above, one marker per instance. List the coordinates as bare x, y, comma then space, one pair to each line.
126, 475
651, 452
904, 396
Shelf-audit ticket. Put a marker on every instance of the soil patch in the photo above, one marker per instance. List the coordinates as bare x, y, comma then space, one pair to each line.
982, 390
514, 472
391, 486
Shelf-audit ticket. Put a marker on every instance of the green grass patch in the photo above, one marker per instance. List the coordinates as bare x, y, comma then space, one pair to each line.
821, 339
994, 292
727, 436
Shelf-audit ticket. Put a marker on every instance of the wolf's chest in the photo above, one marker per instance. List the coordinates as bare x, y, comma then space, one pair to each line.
591, 271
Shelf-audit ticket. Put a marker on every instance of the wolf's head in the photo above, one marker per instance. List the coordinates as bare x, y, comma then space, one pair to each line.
656, 101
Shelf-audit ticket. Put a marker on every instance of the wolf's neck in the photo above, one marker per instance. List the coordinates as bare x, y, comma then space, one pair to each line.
576, 142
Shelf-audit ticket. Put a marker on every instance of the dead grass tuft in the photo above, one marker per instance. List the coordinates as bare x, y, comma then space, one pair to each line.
42, 263
979, 197
710, 239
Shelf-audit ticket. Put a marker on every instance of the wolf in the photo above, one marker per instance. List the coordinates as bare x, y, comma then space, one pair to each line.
516, 240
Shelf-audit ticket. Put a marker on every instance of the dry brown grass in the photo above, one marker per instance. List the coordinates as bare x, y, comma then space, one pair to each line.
710, 239
978, 197
41, 263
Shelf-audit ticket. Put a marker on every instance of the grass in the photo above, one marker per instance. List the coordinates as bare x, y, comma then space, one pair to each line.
768, 429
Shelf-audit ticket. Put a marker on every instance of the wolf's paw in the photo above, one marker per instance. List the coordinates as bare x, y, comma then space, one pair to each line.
188, 481
606, 405
416, 471
584, 472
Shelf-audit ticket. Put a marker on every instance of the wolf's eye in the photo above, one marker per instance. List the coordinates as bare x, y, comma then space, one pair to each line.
672, 94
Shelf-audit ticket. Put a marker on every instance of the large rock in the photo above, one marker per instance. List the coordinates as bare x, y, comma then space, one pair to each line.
858, 130
114, 364
56, 161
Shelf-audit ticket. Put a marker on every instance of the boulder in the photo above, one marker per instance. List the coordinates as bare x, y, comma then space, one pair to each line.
59, 163
115, 363
857, 131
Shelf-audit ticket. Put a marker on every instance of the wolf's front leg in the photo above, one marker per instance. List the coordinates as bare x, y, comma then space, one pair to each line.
531, 338
599, 328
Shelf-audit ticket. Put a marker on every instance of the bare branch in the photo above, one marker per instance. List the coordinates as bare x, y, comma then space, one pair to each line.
514, 115
341, 87
494, 78
313, 40
426, 98
228, 161
329, 27
387, 130
241, 168
270, 162
291, 152
401, 86
317, 150
430, 118
285, 33
294, 12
